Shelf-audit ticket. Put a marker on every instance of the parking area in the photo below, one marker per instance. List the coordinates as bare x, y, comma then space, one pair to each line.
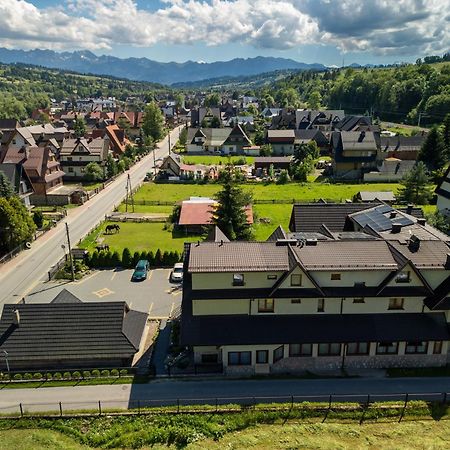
155, 295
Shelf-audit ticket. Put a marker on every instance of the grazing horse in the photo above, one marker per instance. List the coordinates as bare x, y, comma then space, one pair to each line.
111, 228
104, 247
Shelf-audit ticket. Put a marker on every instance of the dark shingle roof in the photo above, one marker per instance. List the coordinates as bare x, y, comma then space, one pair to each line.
431, 254
215, 234
308, 217
71, 331
66, 296
237, 256
290, 329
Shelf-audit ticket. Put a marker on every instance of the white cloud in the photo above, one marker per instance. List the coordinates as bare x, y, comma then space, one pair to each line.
381, 26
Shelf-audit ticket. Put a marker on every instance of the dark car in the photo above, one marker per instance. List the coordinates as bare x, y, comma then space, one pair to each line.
140, 271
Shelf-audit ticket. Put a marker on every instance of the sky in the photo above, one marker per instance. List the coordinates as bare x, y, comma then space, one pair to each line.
331, 32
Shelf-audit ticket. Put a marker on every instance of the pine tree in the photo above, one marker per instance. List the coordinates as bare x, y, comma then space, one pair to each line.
230, 215
446, 135
126, 258
6, 188
416, 186
433, 151
153, 122
79, 127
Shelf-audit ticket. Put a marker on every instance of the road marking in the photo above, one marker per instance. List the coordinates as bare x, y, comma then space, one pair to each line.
83, 280
171, 309
150, 309
114, 275
103, 292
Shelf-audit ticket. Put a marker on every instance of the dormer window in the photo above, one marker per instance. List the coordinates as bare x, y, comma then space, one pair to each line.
238, 279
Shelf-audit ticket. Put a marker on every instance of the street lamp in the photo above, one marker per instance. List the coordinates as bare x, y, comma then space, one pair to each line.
6, 359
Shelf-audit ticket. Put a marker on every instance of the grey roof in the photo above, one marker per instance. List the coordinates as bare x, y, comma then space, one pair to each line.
66, 296
309, 328
53, 332
381, 218
358, 141
308, 217
98, 146
429, 255
402, 143
278, 233
15, 174
237, 256
347, 255
370, 196
215, 234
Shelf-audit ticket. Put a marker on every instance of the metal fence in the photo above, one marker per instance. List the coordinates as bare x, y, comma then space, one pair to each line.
322, 406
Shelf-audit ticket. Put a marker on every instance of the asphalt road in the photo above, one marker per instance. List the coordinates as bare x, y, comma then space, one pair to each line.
19, 276
166, 391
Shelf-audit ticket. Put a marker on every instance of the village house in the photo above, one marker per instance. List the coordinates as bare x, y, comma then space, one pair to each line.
19, 180
76, 154
323, 120
204, 115
443, 194
40, 336
404, 148
173, 168
374, 296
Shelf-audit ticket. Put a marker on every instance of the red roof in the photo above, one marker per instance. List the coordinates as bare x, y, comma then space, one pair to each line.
200, 213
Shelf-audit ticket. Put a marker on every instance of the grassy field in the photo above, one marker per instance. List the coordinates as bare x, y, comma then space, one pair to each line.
305, 192
216, 159
138, 237
325, 436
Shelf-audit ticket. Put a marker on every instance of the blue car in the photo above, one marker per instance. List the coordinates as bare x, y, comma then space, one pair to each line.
141, 270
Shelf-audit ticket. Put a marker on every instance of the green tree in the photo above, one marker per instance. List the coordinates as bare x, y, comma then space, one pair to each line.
416, 186
6, 188
153, 122
215, 122
304, 151
265, 150
446, 134
314, 100
115, 259
79, 127
230, 215
93, 172
212, 100
433, 151
284, 177
38, 219
126, 258
124, 124
111, 167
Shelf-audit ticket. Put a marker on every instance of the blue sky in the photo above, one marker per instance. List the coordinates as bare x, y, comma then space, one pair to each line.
325, 31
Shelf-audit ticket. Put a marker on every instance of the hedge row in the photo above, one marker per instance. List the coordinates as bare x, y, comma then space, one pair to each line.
127, 260
76, 375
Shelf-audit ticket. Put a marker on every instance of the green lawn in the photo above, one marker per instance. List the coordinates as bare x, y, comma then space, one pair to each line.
216, 159
278, 215
304, 192
139, 237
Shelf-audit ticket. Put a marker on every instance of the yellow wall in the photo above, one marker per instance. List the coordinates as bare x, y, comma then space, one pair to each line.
225, 280
223, 306
349, 277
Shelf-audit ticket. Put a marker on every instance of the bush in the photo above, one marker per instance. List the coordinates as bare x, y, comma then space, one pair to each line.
48, 376
57, 376
67, 376
38, 219
17, 377
123, 372
86, 374
114, 373
38, 376
28, 376
158, 258
105, 373
93, 260
126, 258
135, 259
115, 259
95, 373
76, 374
151, 258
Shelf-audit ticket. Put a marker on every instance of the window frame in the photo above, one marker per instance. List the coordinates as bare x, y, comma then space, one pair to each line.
393, 307
240, 363
359, 300
266, 353
335, 277
276, 357
383, 345
439, 345
238, 279
296, 301
301, 353
299, 275
358, 351
401, 279
272, 277
416, 346
329, 352
320, 305
265, 308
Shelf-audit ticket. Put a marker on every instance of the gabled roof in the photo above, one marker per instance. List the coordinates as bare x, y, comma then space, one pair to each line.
66, 296
15, 174
349, 123
402, 143
54, 332
278, 233
97, 146
215, 234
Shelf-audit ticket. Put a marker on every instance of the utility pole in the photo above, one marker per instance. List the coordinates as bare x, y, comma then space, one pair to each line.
420, 117
129, 195
6, 359
70, 253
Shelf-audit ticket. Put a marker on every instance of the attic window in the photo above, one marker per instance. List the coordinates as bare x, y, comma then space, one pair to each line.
238, 279
296, 280
403, 277
335, 276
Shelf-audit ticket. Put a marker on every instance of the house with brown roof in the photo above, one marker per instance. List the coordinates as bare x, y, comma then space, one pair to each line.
369, 297
282, 141
76, 154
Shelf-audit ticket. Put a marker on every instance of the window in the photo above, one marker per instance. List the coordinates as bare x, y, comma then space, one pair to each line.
296, 280
272, 277
396, 303
329, 349
265, 305
416, 347
69, 158
296, 301
82, 170
278, 353
358, 348
403, 277
300, 350
321, 305
358, 300
335, 276
437, 348
238, 279
262, 356
210, 358
71, 169
387, 348
239, 358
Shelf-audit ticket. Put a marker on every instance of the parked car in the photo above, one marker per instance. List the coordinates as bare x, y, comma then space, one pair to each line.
176, 276
141, 270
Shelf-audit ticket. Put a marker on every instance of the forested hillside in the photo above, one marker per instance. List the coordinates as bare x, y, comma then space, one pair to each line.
397, 93
24, 88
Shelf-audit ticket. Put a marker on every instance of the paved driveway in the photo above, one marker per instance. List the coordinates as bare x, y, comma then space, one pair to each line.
155, 295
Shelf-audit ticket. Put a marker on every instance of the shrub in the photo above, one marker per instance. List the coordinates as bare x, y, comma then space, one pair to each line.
143, 255
158, 258
57, 376
27, 376
105, 373
38, 376
66, 375
151, 258
114, 373
115, 259
123, 372
76, 374
86, 374
93, 260
17, 376
48, 376
166, 259
95, 373
126, 258
38, 219
135, 259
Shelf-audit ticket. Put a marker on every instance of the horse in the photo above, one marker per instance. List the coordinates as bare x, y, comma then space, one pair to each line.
111, 228
104, 247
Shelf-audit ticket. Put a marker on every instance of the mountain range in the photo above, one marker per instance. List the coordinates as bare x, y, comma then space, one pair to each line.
144, 69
